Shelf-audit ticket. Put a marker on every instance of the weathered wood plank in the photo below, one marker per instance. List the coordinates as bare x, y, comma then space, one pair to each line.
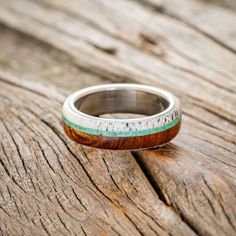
80, 44
54, 57
155, 39
217, 120
202, 193
216, 22
200, 168
58, 187
195, 85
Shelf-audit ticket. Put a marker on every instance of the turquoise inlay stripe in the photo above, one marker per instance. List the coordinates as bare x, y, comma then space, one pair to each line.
122, 133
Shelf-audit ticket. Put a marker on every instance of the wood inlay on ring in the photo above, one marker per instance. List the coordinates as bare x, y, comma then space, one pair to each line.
122, 143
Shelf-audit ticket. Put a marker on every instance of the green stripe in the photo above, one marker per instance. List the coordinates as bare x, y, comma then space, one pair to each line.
122, 133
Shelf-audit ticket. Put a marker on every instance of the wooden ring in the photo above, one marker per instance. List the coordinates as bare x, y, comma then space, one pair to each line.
158, 121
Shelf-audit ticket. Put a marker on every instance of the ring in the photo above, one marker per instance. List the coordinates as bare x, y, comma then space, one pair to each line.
121, 116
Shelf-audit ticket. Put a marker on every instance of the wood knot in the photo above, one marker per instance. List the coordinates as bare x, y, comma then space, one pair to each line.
148, 38
106, 49
151, 43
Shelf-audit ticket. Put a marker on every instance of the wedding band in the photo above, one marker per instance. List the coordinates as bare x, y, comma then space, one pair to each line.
121, 116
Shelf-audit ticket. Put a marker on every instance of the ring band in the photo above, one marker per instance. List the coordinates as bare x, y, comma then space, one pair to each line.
156, 116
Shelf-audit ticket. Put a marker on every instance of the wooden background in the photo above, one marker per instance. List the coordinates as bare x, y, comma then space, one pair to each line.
50, 185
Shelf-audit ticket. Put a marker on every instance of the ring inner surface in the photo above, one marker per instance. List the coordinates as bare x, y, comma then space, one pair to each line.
122, 104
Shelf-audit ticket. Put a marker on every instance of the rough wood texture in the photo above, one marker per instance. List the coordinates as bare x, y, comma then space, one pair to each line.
52, 186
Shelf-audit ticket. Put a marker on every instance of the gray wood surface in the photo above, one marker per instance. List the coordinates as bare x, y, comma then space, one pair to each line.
50, 185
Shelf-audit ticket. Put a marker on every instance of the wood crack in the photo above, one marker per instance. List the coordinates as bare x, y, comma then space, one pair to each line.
162, 10
84, 232
161, 194
202, 104
16, 145
135, 226
201, 77
154, 184
80, 201
220, 203
10, 82
128, 197
148, 39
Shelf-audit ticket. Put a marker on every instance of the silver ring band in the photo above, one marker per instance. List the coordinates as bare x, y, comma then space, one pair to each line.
157, 109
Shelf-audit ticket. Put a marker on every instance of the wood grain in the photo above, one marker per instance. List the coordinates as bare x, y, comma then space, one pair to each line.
122, 143
50, 185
